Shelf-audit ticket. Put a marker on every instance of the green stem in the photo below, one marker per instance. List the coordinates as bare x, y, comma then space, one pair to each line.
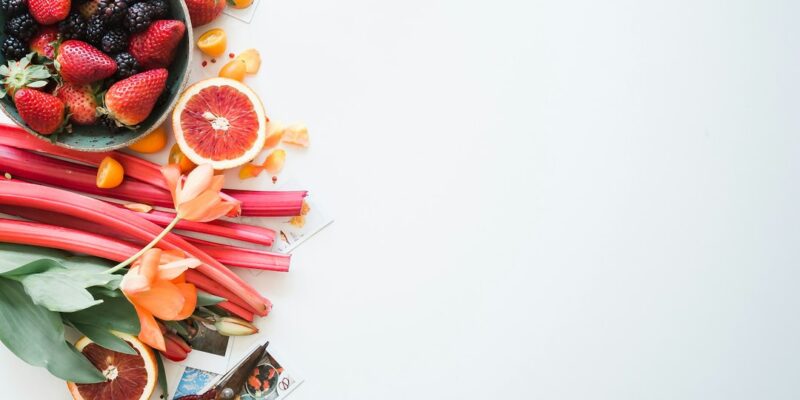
148, 247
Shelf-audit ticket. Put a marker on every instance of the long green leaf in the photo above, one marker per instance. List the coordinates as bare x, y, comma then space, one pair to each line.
36, 335
13, 256
63, 290
105, 338
162, 375
112, 314
207, 299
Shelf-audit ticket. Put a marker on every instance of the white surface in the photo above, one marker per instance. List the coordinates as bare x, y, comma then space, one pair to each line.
537, 199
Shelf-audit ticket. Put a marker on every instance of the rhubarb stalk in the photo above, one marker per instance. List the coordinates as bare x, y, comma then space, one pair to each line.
42, 197
254, 203
56, 237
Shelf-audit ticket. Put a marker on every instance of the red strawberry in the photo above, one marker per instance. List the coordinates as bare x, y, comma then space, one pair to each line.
48, 12
43, 112
155, 46
81, 64
81, 101
202, 12
131, 100
43, 42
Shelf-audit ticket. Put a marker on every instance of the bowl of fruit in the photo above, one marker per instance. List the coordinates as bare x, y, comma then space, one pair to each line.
92, 75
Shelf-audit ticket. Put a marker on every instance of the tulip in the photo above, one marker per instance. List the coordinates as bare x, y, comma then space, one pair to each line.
198, 198
157, 288
229, 326
176, 348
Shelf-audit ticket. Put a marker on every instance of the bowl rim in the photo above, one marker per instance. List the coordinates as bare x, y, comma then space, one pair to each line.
158, 123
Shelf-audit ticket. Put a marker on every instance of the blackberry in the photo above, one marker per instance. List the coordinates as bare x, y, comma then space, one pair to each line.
109, 123
139, 17
13, 48
95, 29
13, 7
112, 11
126, 65
22, 26
74, 27
114, 41
161, 8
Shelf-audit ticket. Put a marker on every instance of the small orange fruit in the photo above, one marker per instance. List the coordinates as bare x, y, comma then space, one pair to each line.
240, 3
152, 143
275, 160
235, 69
252, 60
176, 156
110, 173
213, 43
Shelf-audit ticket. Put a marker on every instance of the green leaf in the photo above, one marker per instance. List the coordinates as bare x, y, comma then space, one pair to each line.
34, 267
114, 313
162, 375
177, 327
13, 256
36, 335
207, 299
63, 290
105, 338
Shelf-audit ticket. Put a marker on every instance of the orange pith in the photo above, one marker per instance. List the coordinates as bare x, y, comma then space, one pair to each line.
219, 121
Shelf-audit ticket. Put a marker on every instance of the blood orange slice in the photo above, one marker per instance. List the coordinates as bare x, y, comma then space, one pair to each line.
221, 122
130, 377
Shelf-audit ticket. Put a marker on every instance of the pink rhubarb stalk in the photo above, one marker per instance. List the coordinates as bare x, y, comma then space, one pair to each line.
231, 256
244, 258
254, 203
21, 194
57, 237
231, 230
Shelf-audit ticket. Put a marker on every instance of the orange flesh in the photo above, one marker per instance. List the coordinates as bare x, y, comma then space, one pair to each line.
176, 156
128, 372
213, 42
220, 123
109, 174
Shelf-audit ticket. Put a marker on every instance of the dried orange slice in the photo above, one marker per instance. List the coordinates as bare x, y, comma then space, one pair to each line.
213, 42
252, 60
130, 377
220, 122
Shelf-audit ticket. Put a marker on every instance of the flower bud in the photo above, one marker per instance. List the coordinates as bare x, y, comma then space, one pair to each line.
176, 347
230, 326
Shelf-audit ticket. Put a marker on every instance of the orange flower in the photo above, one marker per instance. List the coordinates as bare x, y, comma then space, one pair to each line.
156, 287
198, 198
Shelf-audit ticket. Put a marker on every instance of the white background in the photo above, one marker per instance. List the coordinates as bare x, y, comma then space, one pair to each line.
536, 199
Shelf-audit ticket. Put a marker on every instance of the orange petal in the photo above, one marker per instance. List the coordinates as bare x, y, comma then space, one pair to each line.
174, 269
140, 278
296, 134
189, 293
172, 176
197, 182
248, 171
168, 256
164, 300
275, 160
150, 332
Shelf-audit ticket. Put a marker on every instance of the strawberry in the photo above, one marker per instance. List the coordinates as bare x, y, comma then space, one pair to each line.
202, 12
155, 46
43, 112
81, 101
49, 12
44, 42
131, 100
22, 74
81, 64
